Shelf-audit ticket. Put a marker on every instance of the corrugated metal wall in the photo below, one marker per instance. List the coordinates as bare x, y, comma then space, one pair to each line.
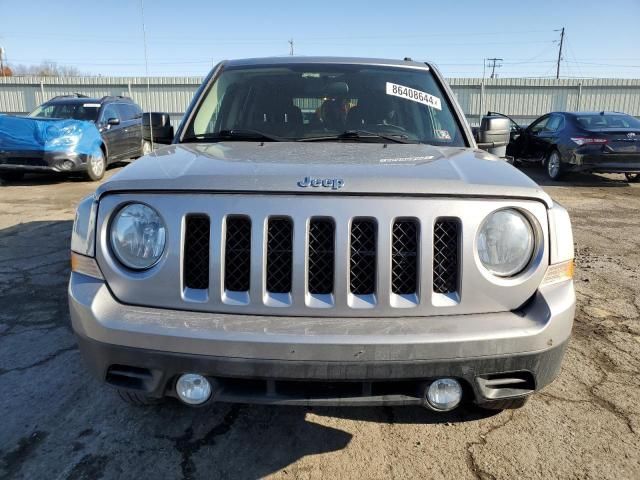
522, 98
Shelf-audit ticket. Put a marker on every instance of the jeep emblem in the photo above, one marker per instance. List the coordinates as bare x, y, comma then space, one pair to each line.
333, 183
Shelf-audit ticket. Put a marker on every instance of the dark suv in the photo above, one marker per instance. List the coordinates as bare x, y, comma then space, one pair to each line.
55, 136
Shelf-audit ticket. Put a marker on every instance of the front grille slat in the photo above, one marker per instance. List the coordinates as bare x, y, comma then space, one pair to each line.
321, 256
362, 278
279, 255
237, 261
445, 255
196, 252
404, 257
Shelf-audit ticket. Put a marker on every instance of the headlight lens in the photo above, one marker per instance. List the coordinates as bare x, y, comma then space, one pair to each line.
505, 242
138, 236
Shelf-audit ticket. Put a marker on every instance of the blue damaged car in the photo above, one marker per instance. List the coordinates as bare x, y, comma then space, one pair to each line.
72, 133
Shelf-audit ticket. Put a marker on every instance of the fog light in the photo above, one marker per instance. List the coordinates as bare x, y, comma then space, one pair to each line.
67, 165
193, 389
444, 394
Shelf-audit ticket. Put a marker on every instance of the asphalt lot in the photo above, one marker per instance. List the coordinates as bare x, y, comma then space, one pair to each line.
57, 422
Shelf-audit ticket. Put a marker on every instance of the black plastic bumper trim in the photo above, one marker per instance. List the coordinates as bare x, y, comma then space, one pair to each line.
164, 367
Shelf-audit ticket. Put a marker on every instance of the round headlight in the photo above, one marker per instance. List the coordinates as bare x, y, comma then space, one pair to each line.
138, 236
505, 242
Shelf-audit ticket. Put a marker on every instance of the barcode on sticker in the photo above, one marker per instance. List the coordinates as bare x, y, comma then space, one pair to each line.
413, 95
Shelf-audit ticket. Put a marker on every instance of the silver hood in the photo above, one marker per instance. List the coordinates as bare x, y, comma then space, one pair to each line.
365, 168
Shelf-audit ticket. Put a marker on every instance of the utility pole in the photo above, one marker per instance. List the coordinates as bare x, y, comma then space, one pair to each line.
560, 52
494, 64
1, 62
291, 47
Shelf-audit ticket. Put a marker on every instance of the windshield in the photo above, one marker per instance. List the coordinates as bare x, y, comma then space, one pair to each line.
599, 121
315, 101
75, 111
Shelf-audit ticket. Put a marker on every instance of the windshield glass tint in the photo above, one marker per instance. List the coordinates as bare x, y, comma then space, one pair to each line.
75, 111
598, 121
305, 101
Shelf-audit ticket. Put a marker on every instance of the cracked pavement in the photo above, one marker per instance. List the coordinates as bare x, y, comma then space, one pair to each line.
59, 423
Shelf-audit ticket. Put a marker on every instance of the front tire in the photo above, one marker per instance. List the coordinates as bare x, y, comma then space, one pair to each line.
553, 166
11, 176
632, 177
96, 166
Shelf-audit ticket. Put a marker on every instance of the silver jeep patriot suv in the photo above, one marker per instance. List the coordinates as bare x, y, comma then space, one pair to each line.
324, 231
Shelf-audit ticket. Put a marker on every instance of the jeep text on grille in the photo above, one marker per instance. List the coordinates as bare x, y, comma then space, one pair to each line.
324, 231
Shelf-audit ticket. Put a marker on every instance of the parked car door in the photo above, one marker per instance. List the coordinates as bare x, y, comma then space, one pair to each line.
132, 129
114, 135
136, 129
549, 135
528, 146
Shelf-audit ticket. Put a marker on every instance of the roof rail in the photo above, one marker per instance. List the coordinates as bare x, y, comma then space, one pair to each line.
119, 97
71, 95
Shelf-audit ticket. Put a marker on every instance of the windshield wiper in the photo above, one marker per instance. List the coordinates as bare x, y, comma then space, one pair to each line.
358, 135
238, 134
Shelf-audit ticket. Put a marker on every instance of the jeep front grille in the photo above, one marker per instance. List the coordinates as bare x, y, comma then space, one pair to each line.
196, 252
363, 261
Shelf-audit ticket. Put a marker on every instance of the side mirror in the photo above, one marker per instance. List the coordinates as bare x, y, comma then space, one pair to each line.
494, 134
113, 121
160, 125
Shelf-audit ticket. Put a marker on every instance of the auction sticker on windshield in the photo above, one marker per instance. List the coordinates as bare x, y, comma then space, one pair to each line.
413, 95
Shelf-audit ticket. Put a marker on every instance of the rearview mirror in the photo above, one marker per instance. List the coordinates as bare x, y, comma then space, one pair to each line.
160, 125
113, 121
494, 134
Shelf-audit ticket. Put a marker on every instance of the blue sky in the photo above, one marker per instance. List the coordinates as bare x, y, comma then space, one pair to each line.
186, 37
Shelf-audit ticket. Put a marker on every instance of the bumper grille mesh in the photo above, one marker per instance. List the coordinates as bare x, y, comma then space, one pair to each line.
404, 257
279, 255
321, 256
445, 256
237, 261
196, 252
363, 257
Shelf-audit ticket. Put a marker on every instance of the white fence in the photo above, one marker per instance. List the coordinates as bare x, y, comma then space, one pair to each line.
523, 99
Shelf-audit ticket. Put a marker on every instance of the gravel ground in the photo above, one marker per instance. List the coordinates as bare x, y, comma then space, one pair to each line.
57, 422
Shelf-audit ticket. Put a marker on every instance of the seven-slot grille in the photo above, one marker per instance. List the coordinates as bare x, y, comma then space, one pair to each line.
363, 257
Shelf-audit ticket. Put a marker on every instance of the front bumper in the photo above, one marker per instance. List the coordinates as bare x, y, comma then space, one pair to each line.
289, 360
42, 161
